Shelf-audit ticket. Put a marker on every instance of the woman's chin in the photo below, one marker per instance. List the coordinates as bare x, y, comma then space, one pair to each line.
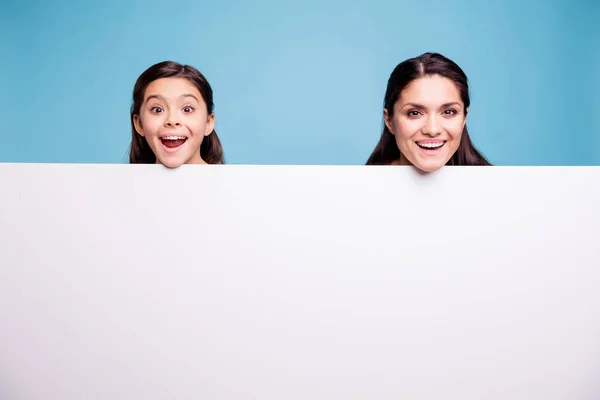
430, 165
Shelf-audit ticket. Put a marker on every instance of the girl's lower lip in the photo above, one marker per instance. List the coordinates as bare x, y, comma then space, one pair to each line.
172, 149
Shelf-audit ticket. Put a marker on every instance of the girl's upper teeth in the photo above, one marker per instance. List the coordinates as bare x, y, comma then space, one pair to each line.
174, 138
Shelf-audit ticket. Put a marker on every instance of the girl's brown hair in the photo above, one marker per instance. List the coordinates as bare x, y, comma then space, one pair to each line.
140, 152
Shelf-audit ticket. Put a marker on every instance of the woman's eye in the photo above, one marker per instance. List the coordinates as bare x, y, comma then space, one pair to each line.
413, 113
188, 109
450, 112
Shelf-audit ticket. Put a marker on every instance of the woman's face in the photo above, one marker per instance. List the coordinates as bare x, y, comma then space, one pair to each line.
427, 121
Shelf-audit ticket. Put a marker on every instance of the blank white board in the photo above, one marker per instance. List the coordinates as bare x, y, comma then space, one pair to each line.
299, 282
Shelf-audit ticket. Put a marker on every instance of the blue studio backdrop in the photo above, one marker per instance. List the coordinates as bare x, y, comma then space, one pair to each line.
299, 82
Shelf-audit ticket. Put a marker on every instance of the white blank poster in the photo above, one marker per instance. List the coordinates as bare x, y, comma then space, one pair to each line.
299, 282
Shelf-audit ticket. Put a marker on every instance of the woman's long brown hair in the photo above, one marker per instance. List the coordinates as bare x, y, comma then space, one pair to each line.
426, 64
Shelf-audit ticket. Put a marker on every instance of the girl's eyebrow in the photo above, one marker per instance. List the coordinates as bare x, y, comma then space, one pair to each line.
159, 97
154, 96
189, 95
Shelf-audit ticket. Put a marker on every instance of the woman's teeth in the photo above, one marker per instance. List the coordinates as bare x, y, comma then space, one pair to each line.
431, 145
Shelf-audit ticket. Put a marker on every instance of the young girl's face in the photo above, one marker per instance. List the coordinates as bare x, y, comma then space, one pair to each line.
427, 122
174, 120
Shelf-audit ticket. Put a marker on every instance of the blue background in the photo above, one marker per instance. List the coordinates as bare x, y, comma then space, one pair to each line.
299, 82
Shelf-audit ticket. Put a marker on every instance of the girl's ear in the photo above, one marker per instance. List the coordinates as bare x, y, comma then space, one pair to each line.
210, 125
137, 123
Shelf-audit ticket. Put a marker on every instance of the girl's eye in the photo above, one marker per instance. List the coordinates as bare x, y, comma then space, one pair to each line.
156, 110
188, 109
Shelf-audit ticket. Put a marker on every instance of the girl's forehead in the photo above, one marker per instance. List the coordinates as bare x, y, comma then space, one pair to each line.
173, 87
